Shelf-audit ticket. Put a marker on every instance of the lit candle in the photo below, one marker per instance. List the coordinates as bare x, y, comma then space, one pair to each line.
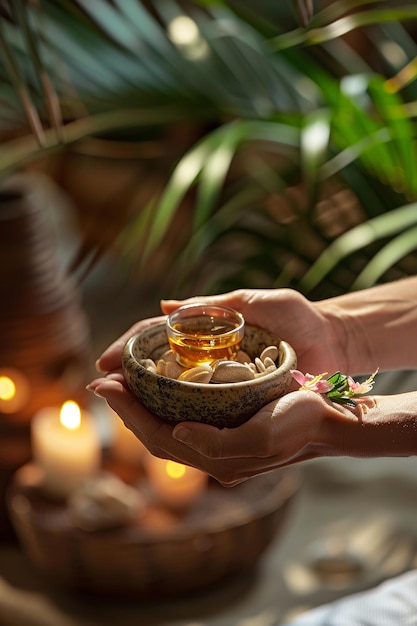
14, 390
126, 447
177, 485
66, 446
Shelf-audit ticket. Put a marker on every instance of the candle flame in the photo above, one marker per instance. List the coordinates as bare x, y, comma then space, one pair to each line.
174, 469
7, 388
70, 415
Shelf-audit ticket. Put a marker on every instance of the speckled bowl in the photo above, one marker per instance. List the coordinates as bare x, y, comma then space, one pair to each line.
221, 405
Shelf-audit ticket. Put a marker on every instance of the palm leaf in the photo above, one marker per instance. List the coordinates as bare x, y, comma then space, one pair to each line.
396, 249
201, 166
357, 238
117, 66
315, 35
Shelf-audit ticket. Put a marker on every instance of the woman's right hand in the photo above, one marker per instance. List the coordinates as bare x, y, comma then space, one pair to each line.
289, 315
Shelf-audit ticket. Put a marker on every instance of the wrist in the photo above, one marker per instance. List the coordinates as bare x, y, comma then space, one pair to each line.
380, 426
375, 327
350, 337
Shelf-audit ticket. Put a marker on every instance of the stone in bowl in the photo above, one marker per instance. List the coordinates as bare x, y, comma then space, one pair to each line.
222, 405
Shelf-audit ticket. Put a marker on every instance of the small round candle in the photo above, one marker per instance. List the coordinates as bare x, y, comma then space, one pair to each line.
126, 447
66, 447
176, 485
14, 390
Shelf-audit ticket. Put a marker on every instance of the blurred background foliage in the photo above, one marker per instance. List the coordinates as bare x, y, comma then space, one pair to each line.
214, 144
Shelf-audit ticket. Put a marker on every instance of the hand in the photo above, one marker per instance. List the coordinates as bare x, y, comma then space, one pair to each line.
292, 429
302, 424
281, 433
299, 426
314, 336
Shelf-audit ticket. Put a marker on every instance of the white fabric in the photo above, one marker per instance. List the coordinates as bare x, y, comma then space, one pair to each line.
393, 603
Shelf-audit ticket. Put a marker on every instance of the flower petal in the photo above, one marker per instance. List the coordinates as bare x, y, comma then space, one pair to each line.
323, 386
298, 376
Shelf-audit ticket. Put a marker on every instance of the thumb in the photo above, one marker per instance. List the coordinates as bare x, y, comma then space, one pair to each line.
235, 299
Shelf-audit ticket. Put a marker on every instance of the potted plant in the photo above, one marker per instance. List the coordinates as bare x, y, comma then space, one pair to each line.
289, 134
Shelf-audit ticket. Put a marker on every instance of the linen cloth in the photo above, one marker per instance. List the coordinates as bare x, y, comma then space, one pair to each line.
392, 603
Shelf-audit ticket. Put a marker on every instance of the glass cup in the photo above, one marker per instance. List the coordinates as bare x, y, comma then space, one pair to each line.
202, 333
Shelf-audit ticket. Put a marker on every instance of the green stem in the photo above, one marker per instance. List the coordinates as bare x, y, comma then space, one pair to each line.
21, 151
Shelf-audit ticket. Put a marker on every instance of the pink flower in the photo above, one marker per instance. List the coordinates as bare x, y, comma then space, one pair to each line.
338, 387
359, 389
312, 383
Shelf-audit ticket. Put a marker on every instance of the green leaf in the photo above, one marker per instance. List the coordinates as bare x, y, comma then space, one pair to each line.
392, 111
386, 258
336, 9
202, 163
24, 150
215, 171
355, 124
342, 26
118, 29
337, 378
184, 176
357, 238
143, 25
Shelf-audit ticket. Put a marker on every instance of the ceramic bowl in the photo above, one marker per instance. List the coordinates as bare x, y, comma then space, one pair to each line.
222, 405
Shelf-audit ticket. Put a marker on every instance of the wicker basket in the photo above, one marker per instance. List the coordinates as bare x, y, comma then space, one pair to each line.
162, 553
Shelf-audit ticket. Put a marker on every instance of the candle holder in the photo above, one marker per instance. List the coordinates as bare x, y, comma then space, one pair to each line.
161, 553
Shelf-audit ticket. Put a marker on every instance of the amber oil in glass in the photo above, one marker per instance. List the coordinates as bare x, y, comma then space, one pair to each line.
199, 334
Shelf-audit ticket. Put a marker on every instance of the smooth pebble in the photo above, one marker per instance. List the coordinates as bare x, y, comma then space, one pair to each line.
219, 371
231, 372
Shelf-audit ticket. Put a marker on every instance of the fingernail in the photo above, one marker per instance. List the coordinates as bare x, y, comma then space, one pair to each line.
91, 387
97, 365
181, 433
93, 384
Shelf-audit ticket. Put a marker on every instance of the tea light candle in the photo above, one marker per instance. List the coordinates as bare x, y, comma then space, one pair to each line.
14, 390
66, 447
126, 447
176, 485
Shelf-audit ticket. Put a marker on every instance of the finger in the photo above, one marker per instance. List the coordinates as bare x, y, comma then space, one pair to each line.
254, 304
246, 441
125, 404
115, 375
281, 429
155, 434
235, 298
111, 357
